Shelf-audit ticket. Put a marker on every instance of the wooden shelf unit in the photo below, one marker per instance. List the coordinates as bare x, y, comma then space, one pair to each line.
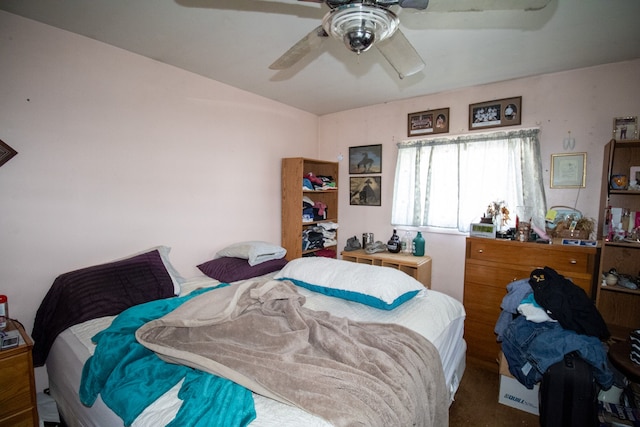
619, 306
293, 170
417, 267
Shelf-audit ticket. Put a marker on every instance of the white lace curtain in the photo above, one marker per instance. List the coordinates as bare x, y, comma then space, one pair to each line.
449, 182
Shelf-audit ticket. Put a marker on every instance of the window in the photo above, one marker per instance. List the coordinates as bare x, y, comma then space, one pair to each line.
449, 182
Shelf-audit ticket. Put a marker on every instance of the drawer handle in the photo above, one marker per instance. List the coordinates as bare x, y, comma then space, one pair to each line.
480, 251
573, 261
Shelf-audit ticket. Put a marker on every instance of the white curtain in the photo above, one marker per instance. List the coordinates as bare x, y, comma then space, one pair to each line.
449, 182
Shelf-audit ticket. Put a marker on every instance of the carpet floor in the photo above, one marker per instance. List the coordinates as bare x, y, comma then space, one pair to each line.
476, 402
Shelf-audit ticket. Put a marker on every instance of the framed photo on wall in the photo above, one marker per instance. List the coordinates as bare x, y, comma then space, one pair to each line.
568, 170
497, 113
625, 127
365, 190
428, 122
365, 159
6, 153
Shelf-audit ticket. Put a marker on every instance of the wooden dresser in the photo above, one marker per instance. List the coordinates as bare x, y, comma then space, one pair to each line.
491, 264
18, 407
418, 267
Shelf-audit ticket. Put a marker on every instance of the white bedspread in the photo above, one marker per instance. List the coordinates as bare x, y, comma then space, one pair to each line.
436, 316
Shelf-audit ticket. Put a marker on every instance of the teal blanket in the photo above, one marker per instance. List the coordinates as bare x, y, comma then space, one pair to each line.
130, 377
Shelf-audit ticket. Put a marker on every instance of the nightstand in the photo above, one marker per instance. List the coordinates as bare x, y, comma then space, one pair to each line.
418, 267
18, 406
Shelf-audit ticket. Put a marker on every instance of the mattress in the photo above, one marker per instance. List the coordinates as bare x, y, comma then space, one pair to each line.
436, 316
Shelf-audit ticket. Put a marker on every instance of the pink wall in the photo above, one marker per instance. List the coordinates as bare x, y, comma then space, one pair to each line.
583, 102
119, 153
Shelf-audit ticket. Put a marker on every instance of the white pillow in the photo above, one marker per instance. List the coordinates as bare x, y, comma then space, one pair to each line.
380, 287
254, 251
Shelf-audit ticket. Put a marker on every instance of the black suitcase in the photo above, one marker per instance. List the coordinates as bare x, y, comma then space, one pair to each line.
568, 394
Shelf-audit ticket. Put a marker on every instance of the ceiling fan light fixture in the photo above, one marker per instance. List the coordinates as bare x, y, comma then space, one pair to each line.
360, 26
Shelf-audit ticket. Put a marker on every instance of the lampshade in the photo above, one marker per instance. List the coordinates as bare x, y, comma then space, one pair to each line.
360, 26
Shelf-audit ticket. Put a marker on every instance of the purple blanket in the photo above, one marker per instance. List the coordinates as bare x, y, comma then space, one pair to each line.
92, 292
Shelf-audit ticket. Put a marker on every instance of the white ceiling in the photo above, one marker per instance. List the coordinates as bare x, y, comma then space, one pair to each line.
235, 41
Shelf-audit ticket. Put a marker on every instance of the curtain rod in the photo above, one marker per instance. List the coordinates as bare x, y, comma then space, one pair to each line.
464, 135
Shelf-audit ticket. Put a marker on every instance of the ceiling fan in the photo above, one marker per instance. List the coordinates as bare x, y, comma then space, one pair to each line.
361, 24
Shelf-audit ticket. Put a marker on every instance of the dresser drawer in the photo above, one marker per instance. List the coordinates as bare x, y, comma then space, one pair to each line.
22, 419
499, 276
481, 343
494, 274
482, 303
532, 256
15, 393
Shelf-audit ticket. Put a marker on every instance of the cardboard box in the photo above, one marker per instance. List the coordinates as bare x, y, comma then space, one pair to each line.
514, 394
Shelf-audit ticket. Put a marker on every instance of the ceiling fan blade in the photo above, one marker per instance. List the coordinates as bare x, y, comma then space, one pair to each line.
481, 5
311, 41
401, 55
414, 4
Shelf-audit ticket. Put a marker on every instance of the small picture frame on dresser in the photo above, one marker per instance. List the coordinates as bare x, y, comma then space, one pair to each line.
9, 339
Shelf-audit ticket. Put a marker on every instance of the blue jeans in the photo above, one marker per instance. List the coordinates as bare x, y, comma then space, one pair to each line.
530, 348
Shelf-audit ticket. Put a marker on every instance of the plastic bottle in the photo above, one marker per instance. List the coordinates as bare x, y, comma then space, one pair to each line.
394, 245
4, 312
418, 245
407, 243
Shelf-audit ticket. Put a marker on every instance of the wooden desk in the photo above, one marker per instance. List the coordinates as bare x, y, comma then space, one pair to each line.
418, 267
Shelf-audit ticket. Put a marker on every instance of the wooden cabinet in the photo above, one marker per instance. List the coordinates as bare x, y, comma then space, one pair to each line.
18, 407
418, 267
619, 306
491, 264
293, 226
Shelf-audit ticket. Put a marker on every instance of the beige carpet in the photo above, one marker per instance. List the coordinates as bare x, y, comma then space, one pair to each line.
476, 403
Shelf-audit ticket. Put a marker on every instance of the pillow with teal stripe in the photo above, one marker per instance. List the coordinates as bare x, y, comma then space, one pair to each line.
382, 287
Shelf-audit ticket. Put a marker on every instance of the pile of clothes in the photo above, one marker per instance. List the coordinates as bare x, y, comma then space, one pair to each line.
313, 211
544, 318
311, 182
319, 236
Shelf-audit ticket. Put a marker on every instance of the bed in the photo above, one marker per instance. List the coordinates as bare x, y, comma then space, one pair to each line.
427, 313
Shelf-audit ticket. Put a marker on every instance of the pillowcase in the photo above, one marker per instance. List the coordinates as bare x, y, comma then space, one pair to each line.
176, 278
381, 287
98, 291
231, 269
254, 251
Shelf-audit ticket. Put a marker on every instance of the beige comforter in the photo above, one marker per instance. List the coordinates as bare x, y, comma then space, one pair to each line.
259, 335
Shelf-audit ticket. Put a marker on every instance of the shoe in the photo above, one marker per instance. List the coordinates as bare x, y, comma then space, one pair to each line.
376, 247
353, 244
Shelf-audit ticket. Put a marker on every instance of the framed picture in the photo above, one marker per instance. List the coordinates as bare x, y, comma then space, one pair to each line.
364, 190
428, 122
497, 113
634, 176
568, 170
6, 153
625, 127
365, 159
